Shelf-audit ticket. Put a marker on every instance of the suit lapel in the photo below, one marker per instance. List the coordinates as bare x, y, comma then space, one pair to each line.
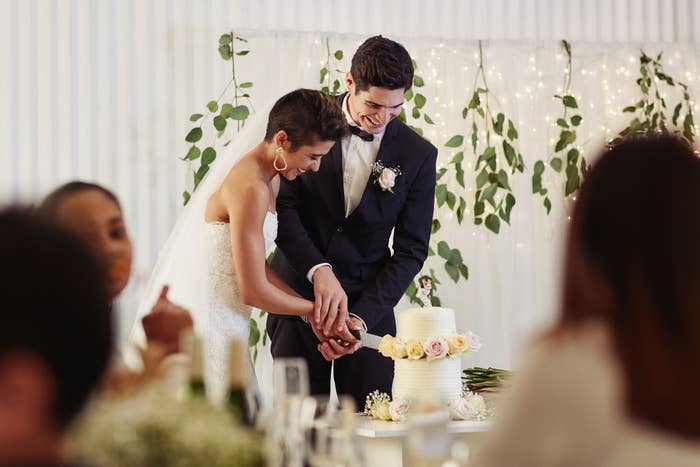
388, 155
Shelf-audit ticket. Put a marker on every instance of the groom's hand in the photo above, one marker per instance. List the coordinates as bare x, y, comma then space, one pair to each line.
331, 302
334, 347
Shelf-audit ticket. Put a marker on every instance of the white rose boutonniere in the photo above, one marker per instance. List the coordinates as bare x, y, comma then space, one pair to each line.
385, 177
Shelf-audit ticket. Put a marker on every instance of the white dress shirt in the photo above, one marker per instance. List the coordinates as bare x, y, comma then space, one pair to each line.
358, 157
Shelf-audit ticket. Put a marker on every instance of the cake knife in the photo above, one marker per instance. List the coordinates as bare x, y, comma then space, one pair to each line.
368, 340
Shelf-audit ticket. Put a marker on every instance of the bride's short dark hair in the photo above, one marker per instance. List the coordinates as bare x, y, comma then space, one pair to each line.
307, 116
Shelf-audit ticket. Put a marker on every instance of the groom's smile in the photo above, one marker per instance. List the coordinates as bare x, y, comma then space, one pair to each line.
372, 109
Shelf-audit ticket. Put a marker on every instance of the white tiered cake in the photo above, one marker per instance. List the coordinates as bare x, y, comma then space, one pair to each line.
437, 380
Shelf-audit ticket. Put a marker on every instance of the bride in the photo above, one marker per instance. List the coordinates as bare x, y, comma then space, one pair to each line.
214, 260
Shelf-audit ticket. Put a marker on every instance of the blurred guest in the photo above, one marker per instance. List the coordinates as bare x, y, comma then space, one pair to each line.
615, 381
55, 336
94, 214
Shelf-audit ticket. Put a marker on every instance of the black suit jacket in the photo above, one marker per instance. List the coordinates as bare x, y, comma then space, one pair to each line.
313, 228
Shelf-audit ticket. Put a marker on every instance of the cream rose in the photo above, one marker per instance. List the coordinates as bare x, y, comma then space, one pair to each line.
386, 345
469, 407
435, 348
398, 410
398, 349
414, 350
457, 343
381, 411
387, 179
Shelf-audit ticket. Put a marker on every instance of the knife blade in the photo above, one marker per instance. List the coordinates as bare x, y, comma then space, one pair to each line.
368, 340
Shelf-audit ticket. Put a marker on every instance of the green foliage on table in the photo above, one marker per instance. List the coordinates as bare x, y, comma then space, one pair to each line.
220, 114
478, 379
650, 111
566, 156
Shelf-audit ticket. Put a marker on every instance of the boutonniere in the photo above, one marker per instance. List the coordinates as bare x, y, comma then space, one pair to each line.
385, 177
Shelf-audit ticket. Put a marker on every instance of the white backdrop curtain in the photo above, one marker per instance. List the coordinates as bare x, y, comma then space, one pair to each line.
102, 91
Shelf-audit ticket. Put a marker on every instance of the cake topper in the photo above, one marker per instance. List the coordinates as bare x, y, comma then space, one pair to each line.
425, 291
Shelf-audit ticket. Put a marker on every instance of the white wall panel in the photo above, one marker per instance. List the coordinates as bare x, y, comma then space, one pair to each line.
101, 89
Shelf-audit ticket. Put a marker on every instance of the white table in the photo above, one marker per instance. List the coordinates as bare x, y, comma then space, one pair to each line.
383, 441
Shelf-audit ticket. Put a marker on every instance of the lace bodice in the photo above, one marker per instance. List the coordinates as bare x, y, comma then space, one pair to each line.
228, 315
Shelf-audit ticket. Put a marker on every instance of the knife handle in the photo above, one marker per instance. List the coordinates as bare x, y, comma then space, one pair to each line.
356, 334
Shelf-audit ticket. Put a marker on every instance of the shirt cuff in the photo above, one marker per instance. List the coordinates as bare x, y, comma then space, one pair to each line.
310, 274
362, 321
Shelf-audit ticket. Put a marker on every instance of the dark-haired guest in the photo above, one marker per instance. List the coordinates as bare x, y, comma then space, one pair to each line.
55, 336
93, 213
335, 226
615, 382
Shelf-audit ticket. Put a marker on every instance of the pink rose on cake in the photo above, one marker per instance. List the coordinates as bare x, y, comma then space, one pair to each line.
474, 341
398, 410
435, 348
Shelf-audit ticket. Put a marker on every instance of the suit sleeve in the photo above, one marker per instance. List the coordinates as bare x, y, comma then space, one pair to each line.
411, 241
292, 238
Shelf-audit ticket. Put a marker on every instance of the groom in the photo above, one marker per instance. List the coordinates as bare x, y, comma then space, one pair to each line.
334, 227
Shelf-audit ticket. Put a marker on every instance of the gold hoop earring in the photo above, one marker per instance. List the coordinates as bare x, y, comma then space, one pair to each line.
279, 153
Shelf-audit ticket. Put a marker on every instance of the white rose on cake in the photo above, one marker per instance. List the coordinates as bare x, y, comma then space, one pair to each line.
398, 410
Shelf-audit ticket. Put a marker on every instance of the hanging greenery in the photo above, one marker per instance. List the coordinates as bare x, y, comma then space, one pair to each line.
228, 106
497, 158
650, 111
566, 154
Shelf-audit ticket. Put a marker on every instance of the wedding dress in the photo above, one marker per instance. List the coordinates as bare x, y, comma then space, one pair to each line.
196, 262
228, 315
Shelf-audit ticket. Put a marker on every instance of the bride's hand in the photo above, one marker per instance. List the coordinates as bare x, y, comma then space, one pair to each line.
331, 301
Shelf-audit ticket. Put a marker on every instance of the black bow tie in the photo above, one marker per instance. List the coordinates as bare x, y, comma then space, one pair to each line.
357, 131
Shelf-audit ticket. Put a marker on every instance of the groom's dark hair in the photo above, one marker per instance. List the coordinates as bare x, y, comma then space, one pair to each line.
383, 63
307, 116
55, 307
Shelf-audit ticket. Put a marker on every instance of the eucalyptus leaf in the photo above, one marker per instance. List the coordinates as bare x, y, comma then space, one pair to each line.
455, 142
408, 95
194, 135
547, 205
440, 173
509, 152
556, 164
225, 52
452, 271
428, 120
451, 199
185, 197
208, 155
569, 101
420, 100
481, 179
213, 106
444, 249
475, 137
464, 270
418, 81
225, 110
503, 179
219, 123
576, 120
493, 223
562, 123
338, 54
441, 194
415, 113
460, 175
458, 158
435, 226
195, 117
240, 112
461, 209
193, 153
225, 39
245, 85
243, 52
512, 132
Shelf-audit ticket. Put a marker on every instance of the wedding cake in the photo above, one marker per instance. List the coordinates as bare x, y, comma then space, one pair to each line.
428, 379
427, 367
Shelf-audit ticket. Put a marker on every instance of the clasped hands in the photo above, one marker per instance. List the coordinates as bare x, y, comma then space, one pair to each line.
331, 322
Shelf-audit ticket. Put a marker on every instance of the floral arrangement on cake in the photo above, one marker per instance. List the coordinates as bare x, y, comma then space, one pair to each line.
432, 348
378, 405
